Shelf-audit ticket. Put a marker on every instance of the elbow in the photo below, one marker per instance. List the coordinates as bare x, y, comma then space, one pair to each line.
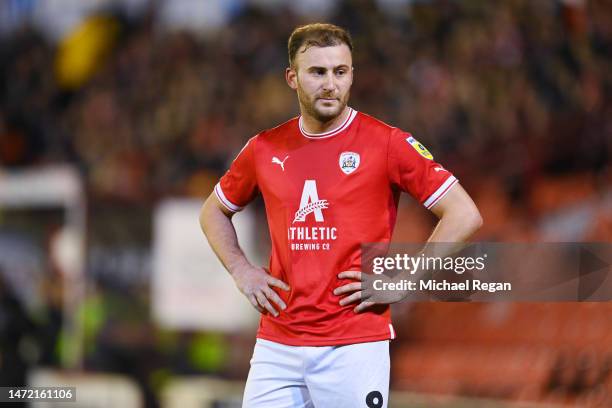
468, 220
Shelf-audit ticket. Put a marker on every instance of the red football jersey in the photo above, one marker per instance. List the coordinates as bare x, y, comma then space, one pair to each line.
325, 195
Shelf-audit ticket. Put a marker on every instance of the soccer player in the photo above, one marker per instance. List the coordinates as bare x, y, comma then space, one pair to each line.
331, 180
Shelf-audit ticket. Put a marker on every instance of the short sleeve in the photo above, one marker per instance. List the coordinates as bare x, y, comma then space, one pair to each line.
412, 169
238, 186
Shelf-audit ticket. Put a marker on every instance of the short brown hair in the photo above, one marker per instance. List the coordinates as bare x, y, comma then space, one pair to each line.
318, 35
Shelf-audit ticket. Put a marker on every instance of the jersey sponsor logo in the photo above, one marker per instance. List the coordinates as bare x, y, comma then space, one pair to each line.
310, 203
310, 238
349, 161
276, 160
419, 148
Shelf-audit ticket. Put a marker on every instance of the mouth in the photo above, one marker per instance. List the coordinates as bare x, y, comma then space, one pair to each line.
327, 99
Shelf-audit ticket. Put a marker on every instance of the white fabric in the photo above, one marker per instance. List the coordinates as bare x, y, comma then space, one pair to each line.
284, 376
227, 203
329, 133
440, 192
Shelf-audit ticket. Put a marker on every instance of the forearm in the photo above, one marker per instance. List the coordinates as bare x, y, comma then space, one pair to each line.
221, 235
448, 238
459, 218
451, 233
254, 282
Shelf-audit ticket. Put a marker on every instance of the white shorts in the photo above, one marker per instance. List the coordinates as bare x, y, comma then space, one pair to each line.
351, 376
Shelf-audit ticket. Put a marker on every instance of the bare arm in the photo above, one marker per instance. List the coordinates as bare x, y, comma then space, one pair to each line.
216, 223
458, 217
254, 282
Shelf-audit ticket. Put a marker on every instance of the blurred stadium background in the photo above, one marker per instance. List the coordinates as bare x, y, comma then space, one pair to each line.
117, 118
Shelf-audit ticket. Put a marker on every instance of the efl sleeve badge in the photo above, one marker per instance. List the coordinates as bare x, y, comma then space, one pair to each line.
419, 148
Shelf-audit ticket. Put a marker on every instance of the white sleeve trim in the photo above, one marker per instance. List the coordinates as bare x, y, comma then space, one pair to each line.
226, 203
440, 192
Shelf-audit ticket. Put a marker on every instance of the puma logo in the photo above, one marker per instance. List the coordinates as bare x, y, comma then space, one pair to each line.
275, 160
439, 169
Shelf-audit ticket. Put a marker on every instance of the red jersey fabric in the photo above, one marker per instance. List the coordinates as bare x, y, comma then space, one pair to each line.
325, 195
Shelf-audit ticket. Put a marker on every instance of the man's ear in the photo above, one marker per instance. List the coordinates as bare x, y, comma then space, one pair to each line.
291, 77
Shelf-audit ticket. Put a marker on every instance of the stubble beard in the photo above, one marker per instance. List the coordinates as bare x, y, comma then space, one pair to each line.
309, 106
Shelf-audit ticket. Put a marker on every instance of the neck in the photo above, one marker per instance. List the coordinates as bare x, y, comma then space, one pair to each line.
312, 125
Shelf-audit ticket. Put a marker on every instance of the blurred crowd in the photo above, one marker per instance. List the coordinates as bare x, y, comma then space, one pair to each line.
513, 97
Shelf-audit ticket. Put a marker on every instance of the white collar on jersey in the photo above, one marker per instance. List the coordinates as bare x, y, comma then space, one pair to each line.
329, 133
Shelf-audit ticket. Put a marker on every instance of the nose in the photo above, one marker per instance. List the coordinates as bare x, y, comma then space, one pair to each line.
329, 83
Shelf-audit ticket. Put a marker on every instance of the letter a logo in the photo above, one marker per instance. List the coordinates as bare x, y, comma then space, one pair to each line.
310, 203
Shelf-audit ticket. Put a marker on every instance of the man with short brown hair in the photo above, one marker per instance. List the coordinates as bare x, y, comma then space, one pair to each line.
331, 180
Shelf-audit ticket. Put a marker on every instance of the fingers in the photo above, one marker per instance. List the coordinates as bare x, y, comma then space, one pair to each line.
363, 306
256, 286
350, 275
263, 301
351, 298
355, 287
270, 294
278, 283
356, 297
349, 287
253, 301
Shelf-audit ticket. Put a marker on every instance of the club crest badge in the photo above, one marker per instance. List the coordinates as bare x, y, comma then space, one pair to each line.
349, 162
419, 148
